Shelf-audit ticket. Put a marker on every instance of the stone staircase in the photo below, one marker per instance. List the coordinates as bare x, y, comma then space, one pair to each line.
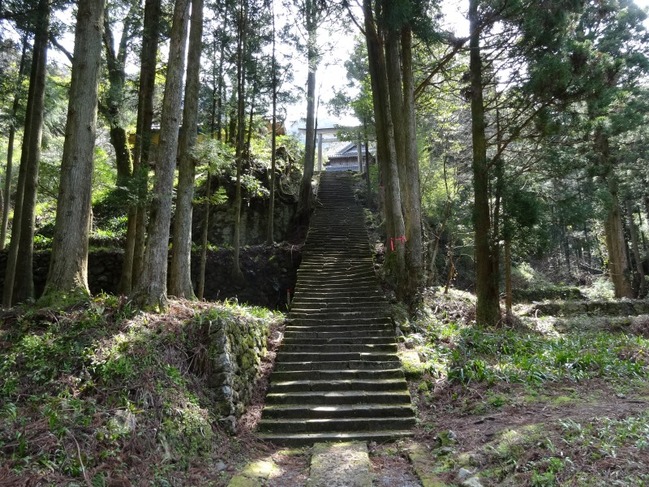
337, 376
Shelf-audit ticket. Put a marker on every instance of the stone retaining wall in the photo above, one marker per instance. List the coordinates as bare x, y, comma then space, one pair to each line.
235, 348
269, 273
624, 307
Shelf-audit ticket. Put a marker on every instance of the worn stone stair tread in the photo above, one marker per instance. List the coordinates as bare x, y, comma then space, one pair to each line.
339, 348
328, 374
338, 365
275, 411
334, 424
337, 384
334, 356
342, 336
342, 339
328, 327
339, 397
301, 439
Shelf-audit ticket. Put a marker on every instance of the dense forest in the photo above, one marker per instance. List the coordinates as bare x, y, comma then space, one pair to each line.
149, 175
522, 143
550, 96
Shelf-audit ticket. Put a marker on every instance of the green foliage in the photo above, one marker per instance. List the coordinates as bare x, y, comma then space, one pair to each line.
468, 354
99, 379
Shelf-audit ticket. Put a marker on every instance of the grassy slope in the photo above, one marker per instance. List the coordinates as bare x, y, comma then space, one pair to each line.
531, 404
102, 395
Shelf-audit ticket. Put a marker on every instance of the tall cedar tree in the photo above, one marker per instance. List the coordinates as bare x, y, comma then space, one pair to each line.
180, 279
112, 107
135, 233
19, 281
388, 31
240, 146
13, 126
69, 261
486, 258
151, 288
385, 148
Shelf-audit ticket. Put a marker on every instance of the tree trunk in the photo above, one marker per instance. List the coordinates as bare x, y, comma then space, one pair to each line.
10, 143
488, 306
135, 236
395, 102
180, 282
237, 275
508, 280
411, 200
386, 151
618, 263
113, 108
305, 203
69, 260
640, 287
19, 281
151, 289
270, 234
368, 181
204, 238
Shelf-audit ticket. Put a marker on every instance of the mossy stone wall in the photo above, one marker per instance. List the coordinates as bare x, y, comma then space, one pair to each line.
236, 348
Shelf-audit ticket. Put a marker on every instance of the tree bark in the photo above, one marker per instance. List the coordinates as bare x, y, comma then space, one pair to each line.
270, 235
305, 203
412, 197
386, 151
11, 142
19, 282
69, 260
488, 306
618, 263
641, 285
151, 289
508, 280
134, 251
180, 282
114, 104
204, 238
240, 151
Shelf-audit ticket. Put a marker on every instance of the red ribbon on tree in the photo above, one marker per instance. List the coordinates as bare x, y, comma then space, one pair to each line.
402, 239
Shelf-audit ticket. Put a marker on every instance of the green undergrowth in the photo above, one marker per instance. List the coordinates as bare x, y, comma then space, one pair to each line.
456, 350
101, 392
532, 404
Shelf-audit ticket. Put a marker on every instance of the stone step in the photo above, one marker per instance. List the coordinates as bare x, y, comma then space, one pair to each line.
365, 333
283, 411
346, 284
299, 339
302, 439
335, 356
340, 328
352, 322
328, 348
395, 373
338, 385
288, 366
351, 295
339, 397
322, 425
335, 275
301, 314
